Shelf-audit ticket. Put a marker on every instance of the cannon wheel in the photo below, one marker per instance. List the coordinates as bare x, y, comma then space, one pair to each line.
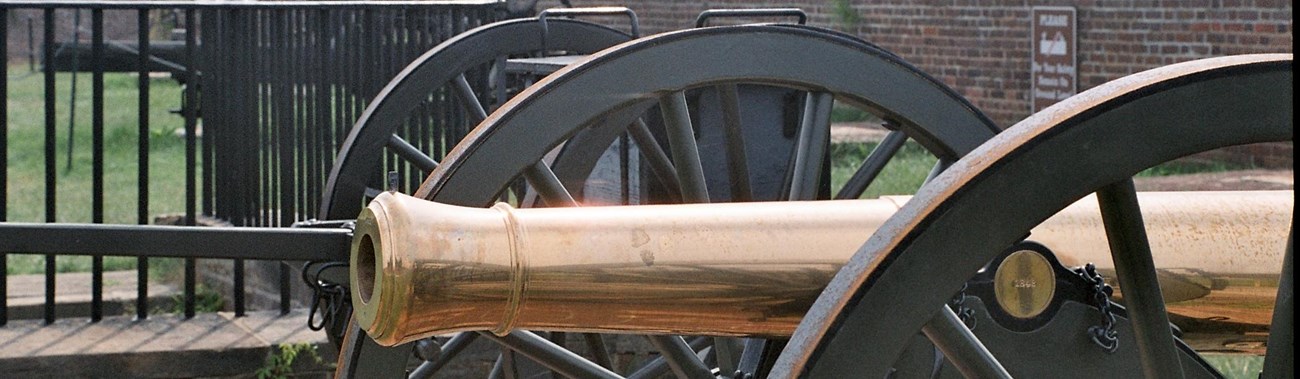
1093, 142
378, 132
514, 140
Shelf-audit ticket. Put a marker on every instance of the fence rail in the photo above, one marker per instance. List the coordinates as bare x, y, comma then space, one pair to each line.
268, 92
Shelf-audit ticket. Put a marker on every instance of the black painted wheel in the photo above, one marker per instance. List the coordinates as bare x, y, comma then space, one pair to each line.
569, 112
1093, 142
441, 71
379, 138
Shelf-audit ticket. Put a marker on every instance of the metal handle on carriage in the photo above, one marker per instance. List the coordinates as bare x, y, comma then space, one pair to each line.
704, 16
590, 11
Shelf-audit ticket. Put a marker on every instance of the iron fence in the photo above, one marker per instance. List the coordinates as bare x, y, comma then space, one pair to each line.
269, 92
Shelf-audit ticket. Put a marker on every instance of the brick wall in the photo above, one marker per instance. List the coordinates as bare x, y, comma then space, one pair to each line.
981, 47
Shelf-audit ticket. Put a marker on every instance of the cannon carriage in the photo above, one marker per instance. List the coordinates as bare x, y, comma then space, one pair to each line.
606, 270
949, 282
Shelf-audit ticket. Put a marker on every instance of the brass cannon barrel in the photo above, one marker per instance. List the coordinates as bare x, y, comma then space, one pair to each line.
746, 269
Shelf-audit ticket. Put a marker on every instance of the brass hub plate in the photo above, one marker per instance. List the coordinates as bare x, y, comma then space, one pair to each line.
1024, 284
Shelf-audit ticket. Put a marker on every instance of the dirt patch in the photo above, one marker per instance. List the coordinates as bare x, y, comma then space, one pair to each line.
1244, 180
857, 132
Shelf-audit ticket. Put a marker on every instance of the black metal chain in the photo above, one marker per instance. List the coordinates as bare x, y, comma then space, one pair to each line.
1103, 335
329, 299
958, 304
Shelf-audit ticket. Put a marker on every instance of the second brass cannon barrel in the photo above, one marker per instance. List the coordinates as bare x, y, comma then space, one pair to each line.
744, 269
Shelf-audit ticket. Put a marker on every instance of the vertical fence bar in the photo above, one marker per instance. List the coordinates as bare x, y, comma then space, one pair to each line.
48, 68
259, 82
189, 109
325, 132
247, 88
449, 111
216, 124
345, 85
411, 44
294, 62
345, 25
4, 155
283, 100
324, 95
405, 45
388, 28
240, 52
403, 37
214, 42
321, 127
302, 136
97, 153
266, 124
31, 43
374, 45
299, 85
420, 120
303, 112
437, 116
207, 26
440, 111
238, 187
339, 29
254, 84
300, 113
308, 157
190, 272
246, 41
190, 275
354, 51
252, 132
191, 128
276, 81
72, 92
311, 83
231, 128
458, 24
364, 53
142, 156
327, 99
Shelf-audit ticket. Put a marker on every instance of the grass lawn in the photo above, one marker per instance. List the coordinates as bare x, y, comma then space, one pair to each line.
26, 160
903, 175
1236, 366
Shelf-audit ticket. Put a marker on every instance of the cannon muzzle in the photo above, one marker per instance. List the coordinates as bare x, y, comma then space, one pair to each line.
421, 268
